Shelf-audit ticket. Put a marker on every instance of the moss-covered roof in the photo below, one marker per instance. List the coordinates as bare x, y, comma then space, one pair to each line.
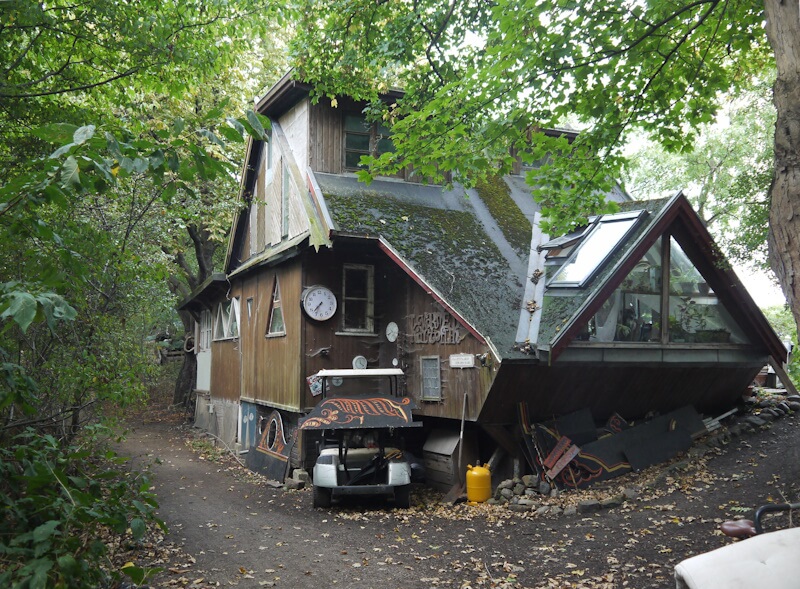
472, 248
445, 241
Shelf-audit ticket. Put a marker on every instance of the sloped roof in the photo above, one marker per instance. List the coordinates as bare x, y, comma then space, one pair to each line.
561, 305
474, 261
563, 316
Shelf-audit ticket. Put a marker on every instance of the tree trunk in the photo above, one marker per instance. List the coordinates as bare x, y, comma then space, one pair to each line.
783, 32
184, 385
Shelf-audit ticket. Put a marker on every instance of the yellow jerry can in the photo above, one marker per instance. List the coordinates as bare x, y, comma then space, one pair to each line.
479, 483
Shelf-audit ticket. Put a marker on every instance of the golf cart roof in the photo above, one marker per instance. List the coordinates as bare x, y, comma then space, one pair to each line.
355, 372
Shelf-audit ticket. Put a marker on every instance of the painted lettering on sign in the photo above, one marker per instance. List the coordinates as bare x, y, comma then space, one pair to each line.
435, 328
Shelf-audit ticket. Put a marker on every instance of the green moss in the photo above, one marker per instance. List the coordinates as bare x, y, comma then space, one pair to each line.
516, 227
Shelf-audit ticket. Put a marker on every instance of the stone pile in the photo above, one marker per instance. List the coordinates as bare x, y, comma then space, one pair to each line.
529, 494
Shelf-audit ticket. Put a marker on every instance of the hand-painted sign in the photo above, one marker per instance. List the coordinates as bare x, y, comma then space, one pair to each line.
361, 411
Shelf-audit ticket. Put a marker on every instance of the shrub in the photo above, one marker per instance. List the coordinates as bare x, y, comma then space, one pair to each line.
59, 503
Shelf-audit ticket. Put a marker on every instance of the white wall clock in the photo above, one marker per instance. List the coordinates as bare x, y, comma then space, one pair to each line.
359, 362
319, 302
391, 331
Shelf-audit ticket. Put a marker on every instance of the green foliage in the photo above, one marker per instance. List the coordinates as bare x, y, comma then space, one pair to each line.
60, 503
483, 80
783, 323
727, 176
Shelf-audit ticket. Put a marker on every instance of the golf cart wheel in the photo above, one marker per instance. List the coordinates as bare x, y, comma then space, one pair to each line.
322, 496
402, 496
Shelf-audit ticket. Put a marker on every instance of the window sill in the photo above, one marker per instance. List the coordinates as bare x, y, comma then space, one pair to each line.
273, 335
356, 333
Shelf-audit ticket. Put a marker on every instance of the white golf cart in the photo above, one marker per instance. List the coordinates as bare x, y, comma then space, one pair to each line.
358, 453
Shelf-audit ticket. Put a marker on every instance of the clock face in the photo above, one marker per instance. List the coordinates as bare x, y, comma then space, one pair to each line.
391, 331
319, 303
359, 362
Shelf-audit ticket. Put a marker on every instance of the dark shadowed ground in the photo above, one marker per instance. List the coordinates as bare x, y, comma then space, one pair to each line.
229, 528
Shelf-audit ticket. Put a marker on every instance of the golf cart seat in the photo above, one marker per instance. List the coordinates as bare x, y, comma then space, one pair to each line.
764, 560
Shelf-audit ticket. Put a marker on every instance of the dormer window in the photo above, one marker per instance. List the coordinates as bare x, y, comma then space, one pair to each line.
604, 237
362, 138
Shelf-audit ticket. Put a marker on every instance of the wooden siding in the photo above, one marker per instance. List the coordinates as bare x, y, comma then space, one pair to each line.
271, 365
268, 200
325, 138
401, 300
225, 369
628, 389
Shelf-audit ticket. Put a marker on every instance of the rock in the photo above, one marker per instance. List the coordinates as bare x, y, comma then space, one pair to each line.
528, 502
784, 406
506, 493
300, 474
544, 488
793, 405
630, 493
555, 493
736, 430
793, 398
765, 403
519, 489
614, 501
543, 510
519, 508
754, 420
293, 485
767, 416
531, 493
506, 484
493, 501
588, 506
530, 480
571, 510
555, 510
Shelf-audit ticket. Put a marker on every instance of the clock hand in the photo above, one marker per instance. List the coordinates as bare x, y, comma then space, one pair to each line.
318, 306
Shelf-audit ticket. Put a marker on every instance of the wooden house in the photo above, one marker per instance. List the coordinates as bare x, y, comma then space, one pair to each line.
635, 313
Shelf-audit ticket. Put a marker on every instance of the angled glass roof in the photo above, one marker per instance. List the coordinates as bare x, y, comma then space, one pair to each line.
606, 235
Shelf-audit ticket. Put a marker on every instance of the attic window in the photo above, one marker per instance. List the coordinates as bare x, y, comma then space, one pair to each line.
603, 239
363, 139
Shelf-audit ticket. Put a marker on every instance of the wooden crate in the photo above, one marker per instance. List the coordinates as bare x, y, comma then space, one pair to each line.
440, 455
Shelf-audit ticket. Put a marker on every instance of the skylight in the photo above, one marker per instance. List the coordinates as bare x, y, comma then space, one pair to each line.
604, 238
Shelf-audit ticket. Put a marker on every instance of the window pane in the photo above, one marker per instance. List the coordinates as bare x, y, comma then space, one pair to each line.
352, 159
356, 123
356, 283
355, 314
431, 379
353, 142
595, 249
276, 321
633, 312
385, 145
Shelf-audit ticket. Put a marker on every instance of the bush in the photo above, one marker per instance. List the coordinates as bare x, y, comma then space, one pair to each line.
59, 503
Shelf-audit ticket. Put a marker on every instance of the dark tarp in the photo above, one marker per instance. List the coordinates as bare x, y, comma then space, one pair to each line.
361, 411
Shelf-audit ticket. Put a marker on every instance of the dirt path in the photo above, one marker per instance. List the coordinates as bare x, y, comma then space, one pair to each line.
242, 532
